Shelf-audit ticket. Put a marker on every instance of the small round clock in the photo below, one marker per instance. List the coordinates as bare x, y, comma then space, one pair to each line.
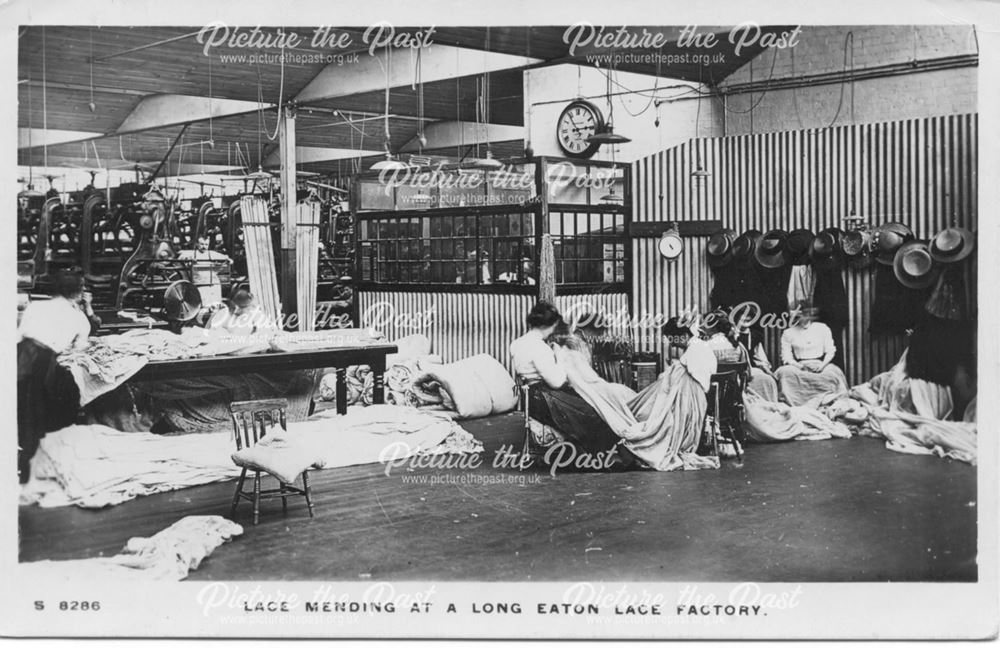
670, 245
578, 121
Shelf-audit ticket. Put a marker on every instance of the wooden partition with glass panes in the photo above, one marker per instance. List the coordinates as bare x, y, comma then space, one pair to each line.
466, 242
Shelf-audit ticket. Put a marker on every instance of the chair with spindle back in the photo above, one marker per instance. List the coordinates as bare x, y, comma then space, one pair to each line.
725, 403
251, 421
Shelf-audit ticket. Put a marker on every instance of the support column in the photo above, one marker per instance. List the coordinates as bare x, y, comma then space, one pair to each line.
286, 136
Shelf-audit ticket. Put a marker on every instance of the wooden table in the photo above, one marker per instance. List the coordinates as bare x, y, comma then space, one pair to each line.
373, 355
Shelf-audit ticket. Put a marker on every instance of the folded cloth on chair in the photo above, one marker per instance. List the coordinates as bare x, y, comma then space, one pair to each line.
278, 455
473, 387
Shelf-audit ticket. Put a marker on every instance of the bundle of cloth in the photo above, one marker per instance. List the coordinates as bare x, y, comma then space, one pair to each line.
169, 555
412, 359
911, 414
472, 387
768, 421
93, 466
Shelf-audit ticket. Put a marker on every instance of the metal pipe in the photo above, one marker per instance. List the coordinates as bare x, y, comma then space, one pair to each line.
874, 72
142, 47
156, 171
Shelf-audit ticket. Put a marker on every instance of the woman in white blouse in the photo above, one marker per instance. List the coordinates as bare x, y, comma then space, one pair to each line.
552, 401
47, 396
807, 351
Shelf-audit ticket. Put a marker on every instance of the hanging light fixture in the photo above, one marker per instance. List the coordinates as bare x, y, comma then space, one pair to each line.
608, 134
260, 173
699, 173
30, 191
488, 162
391, 162
612, 198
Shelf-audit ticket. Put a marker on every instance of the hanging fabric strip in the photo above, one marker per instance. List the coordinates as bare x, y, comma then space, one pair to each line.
306, 262
260, 256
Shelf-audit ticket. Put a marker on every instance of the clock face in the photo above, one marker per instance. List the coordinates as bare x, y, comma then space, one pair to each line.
670, 247
578, 121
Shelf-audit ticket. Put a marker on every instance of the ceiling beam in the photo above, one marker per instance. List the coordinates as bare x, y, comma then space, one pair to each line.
448, 134
437, 63
157, 111
82, 87
35, 137
307, 154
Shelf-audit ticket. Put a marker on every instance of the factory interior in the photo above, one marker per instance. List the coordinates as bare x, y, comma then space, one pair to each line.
544, 303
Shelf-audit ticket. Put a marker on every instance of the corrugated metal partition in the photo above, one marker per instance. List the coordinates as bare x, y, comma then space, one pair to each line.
460, 325
920, 172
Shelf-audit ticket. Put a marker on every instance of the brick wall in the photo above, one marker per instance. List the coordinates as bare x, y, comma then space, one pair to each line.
821, 50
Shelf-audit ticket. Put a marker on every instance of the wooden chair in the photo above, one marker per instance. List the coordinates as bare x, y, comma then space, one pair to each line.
251, 421
614, 368
725, 405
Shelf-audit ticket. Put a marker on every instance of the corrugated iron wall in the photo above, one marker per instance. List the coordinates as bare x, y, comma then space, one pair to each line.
460, 325
921, 172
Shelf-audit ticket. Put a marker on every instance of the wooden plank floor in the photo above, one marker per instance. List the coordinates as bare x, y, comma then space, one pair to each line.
839, 510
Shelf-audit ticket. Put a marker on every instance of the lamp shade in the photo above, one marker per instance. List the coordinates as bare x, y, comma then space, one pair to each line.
389, 163
608, 136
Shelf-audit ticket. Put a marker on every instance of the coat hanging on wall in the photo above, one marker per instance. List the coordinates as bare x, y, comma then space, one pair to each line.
829, 294
749, 286
773, 271
951, 248
719, 253
895, 307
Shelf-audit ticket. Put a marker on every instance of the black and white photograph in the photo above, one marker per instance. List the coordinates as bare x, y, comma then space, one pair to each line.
607, 321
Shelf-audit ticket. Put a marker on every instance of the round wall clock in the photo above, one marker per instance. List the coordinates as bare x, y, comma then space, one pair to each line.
670, 245
578, 121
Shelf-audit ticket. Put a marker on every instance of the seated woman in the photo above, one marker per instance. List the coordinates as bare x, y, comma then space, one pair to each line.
723, 338
935, 377
47, 395
662, 424
807, 351
552, 400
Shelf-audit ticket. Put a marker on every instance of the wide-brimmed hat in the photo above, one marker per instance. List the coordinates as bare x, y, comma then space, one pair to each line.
771, 251
720, 247
914, 266
798, 243
889, 238
745, 245
952, 245
825, 253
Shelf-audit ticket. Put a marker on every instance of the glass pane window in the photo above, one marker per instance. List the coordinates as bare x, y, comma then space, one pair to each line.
590, 247
472, 249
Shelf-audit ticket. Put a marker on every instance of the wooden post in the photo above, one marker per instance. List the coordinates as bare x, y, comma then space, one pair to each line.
286, 135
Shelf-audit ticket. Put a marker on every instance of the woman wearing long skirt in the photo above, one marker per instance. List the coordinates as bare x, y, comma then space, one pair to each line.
552, 399
662, 424
807, 351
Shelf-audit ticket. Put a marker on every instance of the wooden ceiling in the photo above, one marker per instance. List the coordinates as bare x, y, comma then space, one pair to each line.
91, 78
